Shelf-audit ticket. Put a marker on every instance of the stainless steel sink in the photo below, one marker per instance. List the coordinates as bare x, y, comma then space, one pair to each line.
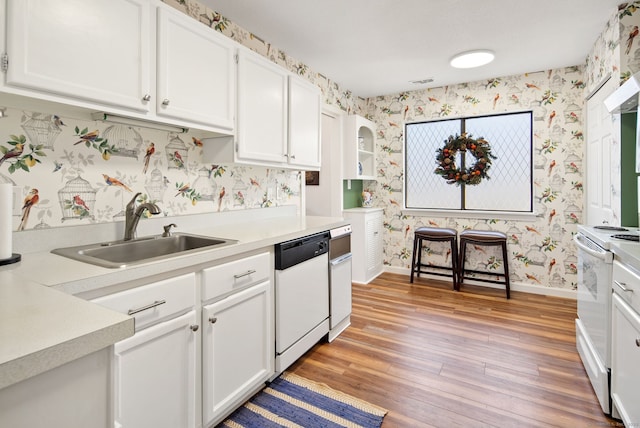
116, 254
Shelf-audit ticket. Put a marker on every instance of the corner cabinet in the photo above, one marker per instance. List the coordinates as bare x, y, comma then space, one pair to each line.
136, 58
359, 149
367, 249
278, 119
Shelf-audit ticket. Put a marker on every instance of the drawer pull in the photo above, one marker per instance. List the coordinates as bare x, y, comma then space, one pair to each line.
240, 275
149, 306
623, 286
213, 320
194, 327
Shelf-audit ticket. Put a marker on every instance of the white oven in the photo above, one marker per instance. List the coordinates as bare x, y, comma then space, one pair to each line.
593, 325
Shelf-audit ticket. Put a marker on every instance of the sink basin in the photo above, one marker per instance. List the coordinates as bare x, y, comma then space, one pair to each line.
117, 254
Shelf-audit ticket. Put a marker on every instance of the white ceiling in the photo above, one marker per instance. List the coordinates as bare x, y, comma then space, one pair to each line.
375, 47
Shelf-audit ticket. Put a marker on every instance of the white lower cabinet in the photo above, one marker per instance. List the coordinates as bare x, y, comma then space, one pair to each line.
154, 372
237, 349
366, 242
155, 376
179, 372
625, 362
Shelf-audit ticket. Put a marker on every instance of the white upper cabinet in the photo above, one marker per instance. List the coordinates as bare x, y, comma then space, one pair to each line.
278, 117
94, 50
262, 110
304, 123
195, 72
137, 58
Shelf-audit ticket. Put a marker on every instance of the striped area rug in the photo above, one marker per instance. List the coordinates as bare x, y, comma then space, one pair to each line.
293, 401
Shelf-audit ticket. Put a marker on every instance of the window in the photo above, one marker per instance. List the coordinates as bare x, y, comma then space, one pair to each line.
510, 184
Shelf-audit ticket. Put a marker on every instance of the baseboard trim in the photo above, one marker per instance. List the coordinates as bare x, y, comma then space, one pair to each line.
515, 286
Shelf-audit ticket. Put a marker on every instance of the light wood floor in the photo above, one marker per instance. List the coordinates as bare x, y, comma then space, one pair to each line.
435, 357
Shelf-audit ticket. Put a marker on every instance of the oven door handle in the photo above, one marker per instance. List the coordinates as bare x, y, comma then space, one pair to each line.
592, 249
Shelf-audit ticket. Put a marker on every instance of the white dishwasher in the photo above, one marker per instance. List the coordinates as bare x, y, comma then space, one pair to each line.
301, 295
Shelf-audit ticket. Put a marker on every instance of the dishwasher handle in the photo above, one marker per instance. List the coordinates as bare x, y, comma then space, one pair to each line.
342, 259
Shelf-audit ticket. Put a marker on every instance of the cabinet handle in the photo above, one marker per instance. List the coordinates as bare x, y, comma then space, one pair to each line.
292, 156
147, 97
194, 327
213, 320
240, 275
144, 308
165, 102
638, 343
623, 286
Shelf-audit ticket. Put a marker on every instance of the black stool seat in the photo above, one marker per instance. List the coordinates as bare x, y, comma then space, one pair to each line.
437, 234
484, 237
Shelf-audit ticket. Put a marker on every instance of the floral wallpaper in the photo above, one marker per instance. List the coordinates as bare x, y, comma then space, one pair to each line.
75, 171
541, 252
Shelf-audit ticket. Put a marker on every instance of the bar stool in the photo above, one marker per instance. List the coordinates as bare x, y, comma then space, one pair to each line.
438, 234
484, 237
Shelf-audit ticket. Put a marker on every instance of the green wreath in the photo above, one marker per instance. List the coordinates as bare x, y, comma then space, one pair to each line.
480, 149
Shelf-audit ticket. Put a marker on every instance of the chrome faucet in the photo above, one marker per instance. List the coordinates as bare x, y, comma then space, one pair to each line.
132, 216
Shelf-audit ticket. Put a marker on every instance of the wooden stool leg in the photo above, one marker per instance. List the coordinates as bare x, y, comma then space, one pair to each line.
505, 262
454, 262
461, 260
413, 257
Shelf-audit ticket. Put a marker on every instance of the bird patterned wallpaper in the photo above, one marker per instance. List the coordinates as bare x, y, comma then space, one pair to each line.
77, 171
74, 171
541, 250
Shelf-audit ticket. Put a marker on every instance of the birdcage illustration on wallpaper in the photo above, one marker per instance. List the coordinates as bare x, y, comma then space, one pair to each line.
41, 129
177, 152
155, 186
77, 199
125, 139
204, 185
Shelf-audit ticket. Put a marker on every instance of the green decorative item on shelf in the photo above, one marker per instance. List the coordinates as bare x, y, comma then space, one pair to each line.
479, 148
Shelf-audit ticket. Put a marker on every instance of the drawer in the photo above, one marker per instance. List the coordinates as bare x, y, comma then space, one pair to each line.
626, 283
223, 279
151, 303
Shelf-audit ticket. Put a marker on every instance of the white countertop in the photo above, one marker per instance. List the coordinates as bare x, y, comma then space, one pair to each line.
43, 326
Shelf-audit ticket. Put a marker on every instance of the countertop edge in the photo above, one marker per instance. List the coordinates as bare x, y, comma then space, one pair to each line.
114, 326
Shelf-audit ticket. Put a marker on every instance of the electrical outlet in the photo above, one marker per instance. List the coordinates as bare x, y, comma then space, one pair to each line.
17, 200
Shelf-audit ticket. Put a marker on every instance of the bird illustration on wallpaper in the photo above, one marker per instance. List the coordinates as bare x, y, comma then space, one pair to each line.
151, 149
15, 154
93, 140
112, 181
31, 199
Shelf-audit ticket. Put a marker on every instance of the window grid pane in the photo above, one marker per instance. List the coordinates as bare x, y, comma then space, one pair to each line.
510, 185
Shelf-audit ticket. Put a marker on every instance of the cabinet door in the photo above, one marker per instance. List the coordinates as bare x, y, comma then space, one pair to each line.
238, 348
155, 376
262, 110
373, 235
195, 71
625, 358
304, 124
93, 50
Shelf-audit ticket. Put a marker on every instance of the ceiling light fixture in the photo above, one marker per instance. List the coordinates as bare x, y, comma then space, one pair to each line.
471, 59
